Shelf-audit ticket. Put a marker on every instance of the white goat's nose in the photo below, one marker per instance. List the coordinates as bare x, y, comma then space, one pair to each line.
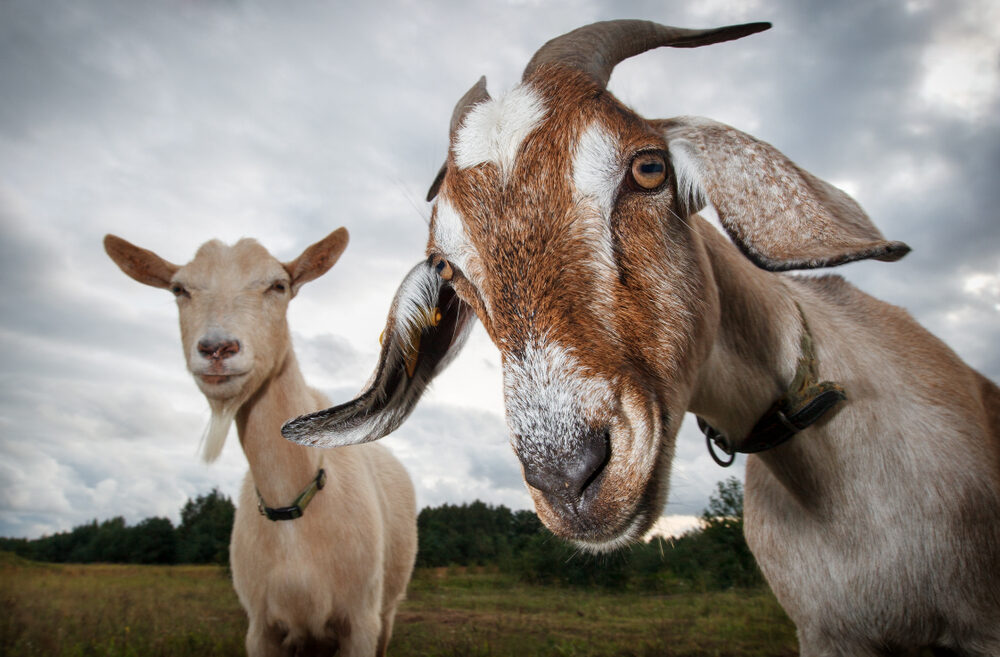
218, 349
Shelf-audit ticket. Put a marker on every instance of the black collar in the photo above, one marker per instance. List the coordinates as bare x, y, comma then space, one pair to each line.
806, 401
298, 507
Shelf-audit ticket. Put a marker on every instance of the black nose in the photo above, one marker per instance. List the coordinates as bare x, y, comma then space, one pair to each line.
218, 349
567, 475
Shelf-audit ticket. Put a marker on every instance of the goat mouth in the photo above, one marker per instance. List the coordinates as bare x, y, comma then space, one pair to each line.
611, 518
219, 379
632, 532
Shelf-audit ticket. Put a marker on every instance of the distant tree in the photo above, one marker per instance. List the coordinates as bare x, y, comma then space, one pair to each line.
725, 506
22, 547
154, 540
722, 540
110, 542
471, 534
206, 523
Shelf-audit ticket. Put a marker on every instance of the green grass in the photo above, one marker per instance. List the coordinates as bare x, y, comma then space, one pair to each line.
67, 610
117, 610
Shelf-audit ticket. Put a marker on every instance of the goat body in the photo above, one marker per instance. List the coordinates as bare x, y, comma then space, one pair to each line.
334, 576
892, 498
567, 225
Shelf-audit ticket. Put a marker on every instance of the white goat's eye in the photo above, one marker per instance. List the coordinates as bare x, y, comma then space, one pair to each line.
649, 170
443, 268
179, 290
278, 286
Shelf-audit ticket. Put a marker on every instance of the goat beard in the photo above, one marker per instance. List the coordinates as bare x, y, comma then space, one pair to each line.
223, 413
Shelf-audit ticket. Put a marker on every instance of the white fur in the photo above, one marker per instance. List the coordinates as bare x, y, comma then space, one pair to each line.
493, 131
597, 174
597, 167
219, 423
450, 237
547, 395
690, 188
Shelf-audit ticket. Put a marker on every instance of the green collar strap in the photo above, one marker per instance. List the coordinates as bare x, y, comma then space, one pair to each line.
298, 507
806, 401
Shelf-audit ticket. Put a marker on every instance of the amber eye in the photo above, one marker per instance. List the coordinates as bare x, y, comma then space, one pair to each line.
443, 268
649, 170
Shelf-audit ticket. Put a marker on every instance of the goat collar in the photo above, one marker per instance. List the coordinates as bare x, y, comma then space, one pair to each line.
806, 401
298, 507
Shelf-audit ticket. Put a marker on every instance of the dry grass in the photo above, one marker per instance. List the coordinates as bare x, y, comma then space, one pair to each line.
56, 610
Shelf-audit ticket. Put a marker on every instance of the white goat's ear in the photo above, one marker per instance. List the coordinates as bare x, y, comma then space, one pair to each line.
427, 326
141, 264
779, 215
317, 259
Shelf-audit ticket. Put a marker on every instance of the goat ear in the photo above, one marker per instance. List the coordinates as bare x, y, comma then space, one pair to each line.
779, 215
436, 183
317, 259
427, 326
141, 264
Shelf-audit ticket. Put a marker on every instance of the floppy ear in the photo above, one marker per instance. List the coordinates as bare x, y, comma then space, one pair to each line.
427, 326
317, 259
779, 215
141, 264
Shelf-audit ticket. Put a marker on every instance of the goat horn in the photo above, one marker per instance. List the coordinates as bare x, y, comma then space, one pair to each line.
597, 48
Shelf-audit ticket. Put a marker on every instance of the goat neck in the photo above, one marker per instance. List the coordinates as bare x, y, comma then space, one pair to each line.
756, 344
754, 356
279, 468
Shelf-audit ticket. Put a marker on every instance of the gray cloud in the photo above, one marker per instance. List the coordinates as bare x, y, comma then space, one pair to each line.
170, 124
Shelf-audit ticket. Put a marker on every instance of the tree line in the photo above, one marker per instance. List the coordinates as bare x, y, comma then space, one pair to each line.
475, 534
201, 537
714, 556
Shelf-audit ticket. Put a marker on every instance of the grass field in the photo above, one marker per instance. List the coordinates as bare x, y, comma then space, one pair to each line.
123, 611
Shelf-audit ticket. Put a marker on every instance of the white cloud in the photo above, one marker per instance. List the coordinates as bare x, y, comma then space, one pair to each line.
961, 67
984, 285
672, 527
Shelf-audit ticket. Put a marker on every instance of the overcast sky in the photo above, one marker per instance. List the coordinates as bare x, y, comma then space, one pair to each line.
170, 123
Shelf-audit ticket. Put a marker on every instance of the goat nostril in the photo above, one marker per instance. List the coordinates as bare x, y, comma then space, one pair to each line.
572, 475
597, 455
218, 350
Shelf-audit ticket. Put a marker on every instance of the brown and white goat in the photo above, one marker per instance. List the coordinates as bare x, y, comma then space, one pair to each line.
565, 222
335, 575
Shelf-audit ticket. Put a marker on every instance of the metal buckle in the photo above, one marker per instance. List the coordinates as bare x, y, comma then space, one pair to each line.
709, 441
712, 435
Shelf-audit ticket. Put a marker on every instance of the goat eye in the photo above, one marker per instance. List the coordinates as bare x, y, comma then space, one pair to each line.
277, 286
649, 170
179, 290
443, 268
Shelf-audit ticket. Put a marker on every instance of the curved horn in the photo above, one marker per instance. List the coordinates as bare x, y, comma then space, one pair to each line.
597, 48
475, 95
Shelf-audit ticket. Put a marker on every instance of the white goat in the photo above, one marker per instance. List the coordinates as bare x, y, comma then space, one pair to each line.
335, 575
565, 223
